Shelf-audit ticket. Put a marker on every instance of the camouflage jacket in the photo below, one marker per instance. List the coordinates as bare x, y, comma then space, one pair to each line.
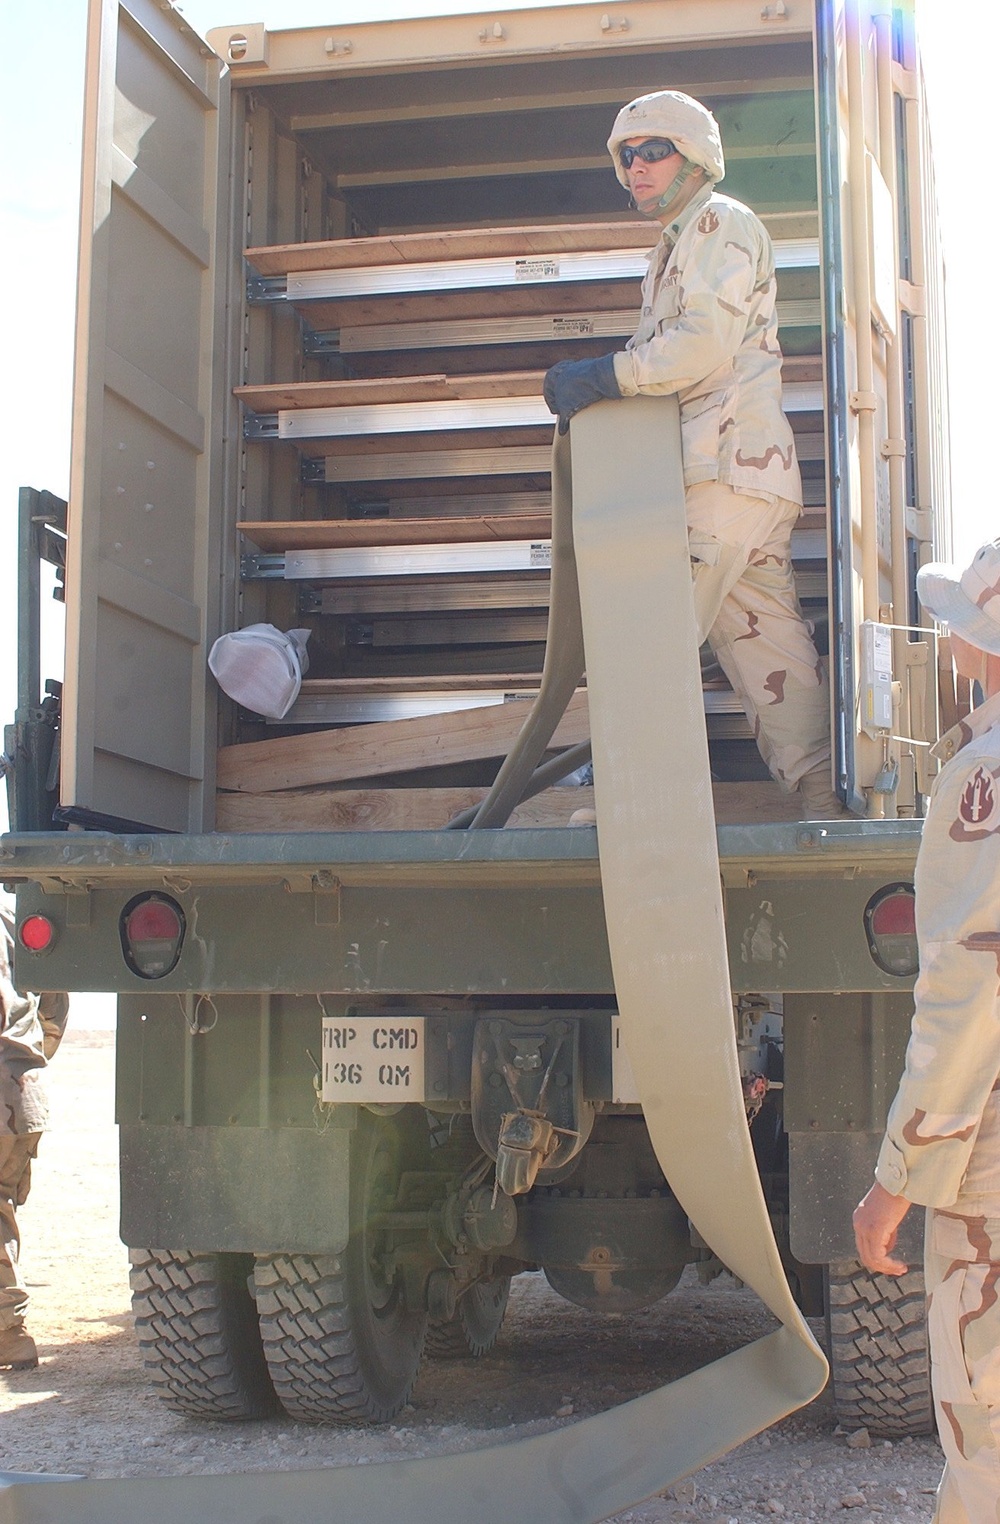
953, 1057
709, 332
31, 1028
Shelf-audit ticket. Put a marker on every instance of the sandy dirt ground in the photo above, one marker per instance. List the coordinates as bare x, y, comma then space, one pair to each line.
89, 1408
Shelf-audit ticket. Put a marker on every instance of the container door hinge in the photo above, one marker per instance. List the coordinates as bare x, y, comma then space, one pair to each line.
862, 402
892, 449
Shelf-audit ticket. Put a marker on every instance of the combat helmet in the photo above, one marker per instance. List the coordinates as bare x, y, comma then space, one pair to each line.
688, 124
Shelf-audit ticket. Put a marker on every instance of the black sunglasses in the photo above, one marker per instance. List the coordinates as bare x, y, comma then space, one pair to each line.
650, 152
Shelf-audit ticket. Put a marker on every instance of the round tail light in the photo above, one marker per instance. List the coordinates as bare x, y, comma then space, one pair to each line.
36, 933
152, 932
890, 926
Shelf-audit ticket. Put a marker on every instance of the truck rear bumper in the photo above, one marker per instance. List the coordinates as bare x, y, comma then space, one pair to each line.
491, 912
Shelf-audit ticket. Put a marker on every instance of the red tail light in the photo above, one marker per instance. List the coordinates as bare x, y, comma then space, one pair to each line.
152, 931
891, 930
36, 933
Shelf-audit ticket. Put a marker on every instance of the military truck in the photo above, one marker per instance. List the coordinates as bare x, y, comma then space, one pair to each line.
322, 274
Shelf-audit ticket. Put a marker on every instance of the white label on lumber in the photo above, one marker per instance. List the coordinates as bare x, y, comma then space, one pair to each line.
623, 1087
368, 1059
536, 269
572, 328
540, 554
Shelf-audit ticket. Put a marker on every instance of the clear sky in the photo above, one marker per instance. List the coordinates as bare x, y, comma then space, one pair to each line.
40, 107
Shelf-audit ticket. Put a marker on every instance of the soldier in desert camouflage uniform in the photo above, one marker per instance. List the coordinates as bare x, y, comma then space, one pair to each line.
31, 1028
709, 333
942, 1142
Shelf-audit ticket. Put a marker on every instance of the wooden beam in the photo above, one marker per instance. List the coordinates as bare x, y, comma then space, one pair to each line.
396, 390
271, 398
419, 248
333, 534
430, 809
367, 751
431, 306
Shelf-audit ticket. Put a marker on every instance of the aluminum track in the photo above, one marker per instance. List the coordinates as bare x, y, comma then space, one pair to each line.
436, 417
473, 332
495, 556
471, 274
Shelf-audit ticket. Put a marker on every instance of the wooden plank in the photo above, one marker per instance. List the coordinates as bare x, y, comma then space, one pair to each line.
395, 390
386, 809
467, 440
272, 398
479, 243
473, 592
434, 306
516, 682
331, 534
430, 809
367, 751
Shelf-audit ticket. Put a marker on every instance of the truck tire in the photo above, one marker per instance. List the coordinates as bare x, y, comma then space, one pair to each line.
879, 1356
473, 1330
340, 1342
198, 1333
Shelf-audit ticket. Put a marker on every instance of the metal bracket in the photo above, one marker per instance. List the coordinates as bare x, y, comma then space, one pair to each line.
904, 82
266, 288
892, 449
262, 567
912, 299
320, 345
326, 898
313, 471
260, 425
862, 402
919, 523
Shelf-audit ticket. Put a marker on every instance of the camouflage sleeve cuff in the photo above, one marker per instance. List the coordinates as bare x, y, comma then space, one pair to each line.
890, 1171
625, 374
934, 1179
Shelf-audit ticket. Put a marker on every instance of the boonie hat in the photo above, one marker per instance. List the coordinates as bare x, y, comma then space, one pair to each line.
967, 601
261, 667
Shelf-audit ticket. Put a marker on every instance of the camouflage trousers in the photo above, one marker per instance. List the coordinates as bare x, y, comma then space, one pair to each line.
747, 608
962, 1269
16, 1154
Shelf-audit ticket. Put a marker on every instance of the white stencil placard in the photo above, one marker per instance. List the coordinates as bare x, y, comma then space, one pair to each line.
373, 1059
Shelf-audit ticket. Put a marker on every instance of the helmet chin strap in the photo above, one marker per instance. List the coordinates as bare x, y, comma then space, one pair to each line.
674, 193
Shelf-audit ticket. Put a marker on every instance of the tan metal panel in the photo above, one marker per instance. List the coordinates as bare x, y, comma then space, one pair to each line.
349, 49
143, 548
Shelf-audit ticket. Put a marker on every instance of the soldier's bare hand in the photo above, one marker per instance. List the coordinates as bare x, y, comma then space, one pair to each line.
876, 1223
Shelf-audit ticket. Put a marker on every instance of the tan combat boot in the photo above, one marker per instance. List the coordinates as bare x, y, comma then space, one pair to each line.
17, 1349
819, 799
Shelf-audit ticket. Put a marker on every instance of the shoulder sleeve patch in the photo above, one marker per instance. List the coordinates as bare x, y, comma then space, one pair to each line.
708, 222
978, 812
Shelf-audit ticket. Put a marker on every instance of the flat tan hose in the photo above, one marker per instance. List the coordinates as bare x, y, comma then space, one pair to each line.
662, 895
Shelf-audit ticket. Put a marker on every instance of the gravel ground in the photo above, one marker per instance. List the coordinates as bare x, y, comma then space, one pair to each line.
89, 1408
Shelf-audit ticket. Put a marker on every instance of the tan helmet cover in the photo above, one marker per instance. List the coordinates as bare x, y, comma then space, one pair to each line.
670, 114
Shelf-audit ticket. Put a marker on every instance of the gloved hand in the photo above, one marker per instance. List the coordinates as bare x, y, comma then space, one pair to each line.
572, 385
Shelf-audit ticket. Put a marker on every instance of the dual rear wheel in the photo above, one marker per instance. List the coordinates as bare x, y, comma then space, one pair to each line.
330, 1337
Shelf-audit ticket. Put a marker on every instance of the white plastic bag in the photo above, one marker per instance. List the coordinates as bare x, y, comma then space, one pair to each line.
261, 667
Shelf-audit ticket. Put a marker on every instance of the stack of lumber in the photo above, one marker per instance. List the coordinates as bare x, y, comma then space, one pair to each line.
433, 453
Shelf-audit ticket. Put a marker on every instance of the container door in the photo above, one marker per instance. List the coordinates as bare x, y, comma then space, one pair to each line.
142, 564
888, 487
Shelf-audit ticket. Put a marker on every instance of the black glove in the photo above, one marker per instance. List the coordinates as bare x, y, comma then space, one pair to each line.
572, 385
